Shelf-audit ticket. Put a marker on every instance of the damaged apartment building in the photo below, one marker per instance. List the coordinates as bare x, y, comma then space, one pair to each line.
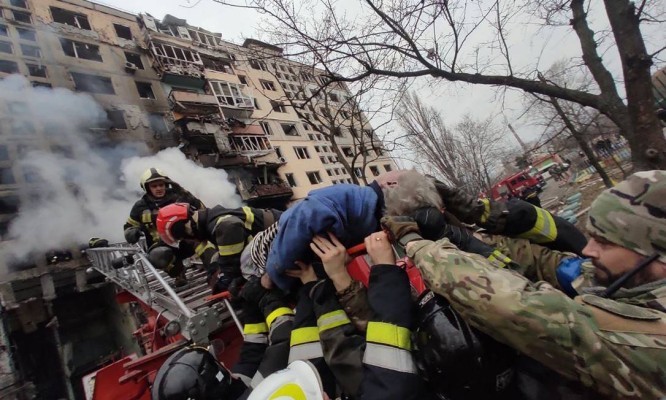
161, 83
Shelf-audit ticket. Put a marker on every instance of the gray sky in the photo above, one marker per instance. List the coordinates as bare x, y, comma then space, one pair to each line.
530, 46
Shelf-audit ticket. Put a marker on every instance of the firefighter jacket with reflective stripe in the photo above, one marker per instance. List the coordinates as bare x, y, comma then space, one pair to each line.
265, 341
377, 365
144, 212
517, 218
230, 229
304, 343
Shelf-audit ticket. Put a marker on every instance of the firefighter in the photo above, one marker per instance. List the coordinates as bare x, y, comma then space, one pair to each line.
229, 229
194, 373
376, 364
160, 191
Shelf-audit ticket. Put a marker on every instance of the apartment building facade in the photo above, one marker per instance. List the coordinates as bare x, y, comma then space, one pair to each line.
239, 107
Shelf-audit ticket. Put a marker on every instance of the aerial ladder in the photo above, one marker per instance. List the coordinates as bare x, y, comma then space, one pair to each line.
172, 317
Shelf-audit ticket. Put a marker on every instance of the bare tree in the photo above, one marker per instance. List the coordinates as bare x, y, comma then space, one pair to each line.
440, 39
464, 156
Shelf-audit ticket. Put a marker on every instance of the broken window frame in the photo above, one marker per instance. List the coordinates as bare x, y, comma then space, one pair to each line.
116, 119
316, 175
82, 83
258, 65
224, 66
78, 20
210, 40
145, 88
121, 34
289, 129
173, 55
267, 85
81, 50
248, 144
37, 70
231, 94
291, 180
135, 59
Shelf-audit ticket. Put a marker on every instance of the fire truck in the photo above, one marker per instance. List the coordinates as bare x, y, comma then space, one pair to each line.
171, 318
526, 185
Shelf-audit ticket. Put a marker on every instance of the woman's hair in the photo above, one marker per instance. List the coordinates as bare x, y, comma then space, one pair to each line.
413, 191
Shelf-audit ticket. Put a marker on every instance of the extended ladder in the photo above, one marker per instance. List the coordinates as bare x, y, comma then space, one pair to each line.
189, 309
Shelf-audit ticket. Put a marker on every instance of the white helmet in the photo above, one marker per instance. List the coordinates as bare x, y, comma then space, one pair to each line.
299, 381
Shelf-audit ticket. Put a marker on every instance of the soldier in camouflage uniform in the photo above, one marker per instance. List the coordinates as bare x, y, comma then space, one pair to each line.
610, 340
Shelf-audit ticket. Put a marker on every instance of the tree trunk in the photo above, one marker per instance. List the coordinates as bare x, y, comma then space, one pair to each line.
580, 139
646, 138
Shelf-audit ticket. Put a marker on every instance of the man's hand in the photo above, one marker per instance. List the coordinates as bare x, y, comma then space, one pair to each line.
379, 249
132, 235
305, 272
401, 229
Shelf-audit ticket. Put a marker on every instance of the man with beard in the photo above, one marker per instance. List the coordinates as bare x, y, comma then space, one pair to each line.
611, 337
162, 191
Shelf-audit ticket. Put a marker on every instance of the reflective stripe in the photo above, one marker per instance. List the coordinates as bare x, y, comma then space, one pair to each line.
389, 358
260, 338
304, 335
306, 351
133, 222
389, 334
249, 218
231, 249
220, 219
499, 259
278, 313
256, 379
203, 246
544, 229
486, 210
249, 329
147, 217
331, 320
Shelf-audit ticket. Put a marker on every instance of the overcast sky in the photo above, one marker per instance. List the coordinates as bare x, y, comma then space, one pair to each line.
526, 41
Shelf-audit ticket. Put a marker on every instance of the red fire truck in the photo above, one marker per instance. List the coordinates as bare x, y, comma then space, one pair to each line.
526, 185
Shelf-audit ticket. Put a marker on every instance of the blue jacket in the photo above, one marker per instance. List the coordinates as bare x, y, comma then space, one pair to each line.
350, 212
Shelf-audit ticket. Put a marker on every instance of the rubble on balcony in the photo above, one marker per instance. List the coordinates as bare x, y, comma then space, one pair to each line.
262, 186
191, 103
204, 136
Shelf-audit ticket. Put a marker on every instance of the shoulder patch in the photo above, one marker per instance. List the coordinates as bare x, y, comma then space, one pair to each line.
621, 309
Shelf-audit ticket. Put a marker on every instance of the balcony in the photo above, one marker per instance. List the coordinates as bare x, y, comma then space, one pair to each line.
178, 66
191, 103
204, 137
256, 192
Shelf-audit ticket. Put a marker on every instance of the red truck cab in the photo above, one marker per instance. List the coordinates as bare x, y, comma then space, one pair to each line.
523, 185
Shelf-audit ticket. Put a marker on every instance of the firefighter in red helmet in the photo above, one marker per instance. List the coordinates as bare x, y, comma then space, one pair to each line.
229, 229
161, 191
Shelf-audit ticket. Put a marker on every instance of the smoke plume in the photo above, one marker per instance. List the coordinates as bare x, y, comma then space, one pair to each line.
76, 183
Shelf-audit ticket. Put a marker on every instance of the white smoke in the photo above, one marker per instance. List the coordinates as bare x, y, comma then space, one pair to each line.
210, 185
90, 193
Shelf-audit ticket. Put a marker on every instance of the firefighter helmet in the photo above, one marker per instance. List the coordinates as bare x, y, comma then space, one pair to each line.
299, 380
152, 175
191, 373
456, 360
171, 222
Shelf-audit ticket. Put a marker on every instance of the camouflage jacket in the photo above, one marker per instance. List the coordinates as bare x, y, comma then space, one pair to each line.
616, 346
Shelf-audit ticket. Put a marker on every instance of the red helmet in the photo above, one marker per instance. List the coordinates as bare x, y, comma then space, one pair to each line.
171, 222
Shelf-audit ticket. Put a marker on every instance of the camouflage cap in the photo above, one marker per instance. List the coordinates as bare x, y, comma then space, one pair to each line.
633, 214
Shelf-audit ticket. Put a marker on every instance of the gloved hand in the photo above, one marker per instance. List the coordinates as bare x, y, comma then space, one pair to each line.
132, 235
402, 229
162, 257
236, 286
465, 207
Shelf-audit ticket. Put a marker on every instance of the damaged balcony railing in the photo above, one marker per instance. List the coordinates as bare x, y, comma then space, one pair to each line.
196, 315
